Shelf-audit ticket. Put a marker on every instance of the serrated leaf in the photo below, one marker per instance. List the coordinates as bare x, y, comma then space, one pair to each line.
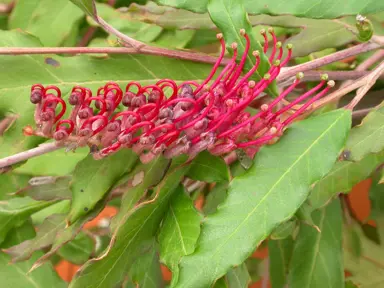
88, 6
208, 168
45, 235
78, 250
179, 231
93, 178
15, 211
34, 16
230, 16
55, 190
343, 176
146, 271
317, 258
24, 71
368, 137
280, 254
304, 154
17, 275
131, 238
48, 164
238, 277
69, 233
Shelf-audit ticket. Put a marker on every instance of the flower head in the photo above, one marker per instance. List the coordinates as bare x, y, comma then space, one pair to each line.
196, 116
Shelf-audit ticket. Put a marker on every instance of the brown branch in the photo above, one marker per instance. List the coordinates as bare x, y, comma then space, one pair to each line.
370, 80
184, 55
355, 50
25, 155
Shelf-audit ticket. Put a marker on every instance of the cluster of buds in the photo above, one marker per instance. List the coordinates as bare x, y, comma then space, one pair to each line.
195, 117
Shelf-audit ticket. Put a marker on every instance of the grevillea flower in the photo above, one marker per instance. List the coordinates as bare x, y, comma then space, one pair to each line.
195, 117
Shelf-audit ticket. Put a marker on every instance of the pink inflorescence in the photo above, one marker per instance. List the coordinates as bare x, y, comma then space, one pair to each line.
194, 118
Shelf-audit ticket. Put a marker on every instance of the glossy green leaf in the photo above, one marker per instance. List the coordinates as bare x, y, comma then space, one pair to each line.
368, 137
56, 163
17, 275
343, 176
93, 178
132, 237
146, 271
60, 207
322, 9
317, 258
78, 250
35, 16
284, 230
280, 254
198, 6
45, 235
24, 71
179, 231
265, 196
208, 168
238, 277
69, 233
229, 16
376, 195
56, 188
14, 212
87, 6
215, 197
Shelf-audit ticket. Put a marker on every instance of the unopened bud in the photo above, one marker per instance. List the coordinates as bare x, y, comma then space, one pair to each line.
242, 32
289, 46
264, 107
278, 45
331, 83
60, 135
234, 45
36, 96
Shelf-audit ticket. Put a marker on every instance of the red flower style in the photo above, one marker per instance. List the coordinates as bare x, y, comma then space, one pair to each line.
208, 116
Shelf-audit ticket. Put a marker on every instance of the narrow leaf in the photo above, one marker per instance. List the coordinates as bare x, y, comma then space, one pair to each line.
132, 237
46, 233
368, 137
208, 168
280, 254
230, 16
343, 176
93, 178
238, 277
88, 6
179, 231
15, 211
56, 188
78, 250
215, 197
265, 196
317, 259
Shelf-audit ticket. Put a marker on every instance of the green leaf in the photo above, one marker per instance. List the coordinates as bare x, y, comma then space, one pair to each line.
14, 212
322, 9
17, 275
175, 38
47, 164
343, 176
146, 271
88, 6
57, 188
24, 71
317, 259
93, 178
45, 235
230, 16
131, 238
280, 254
78, 250
215, 197
63, 236
208, 168
179, 231
284, 230
60, 207
35, 16
198, 6
265, 196
238, 277
376, 193
221, 283
368, 137
11, 183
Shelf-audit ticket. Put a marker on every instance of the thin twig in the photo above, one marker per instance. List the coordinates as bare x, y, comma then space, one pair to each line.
355, 50
370, 81
185, 55
25, 155
88, 35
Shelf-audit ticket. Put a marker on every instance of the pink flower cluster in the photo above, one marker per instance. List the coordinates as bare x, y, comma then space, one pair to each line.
195, 117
